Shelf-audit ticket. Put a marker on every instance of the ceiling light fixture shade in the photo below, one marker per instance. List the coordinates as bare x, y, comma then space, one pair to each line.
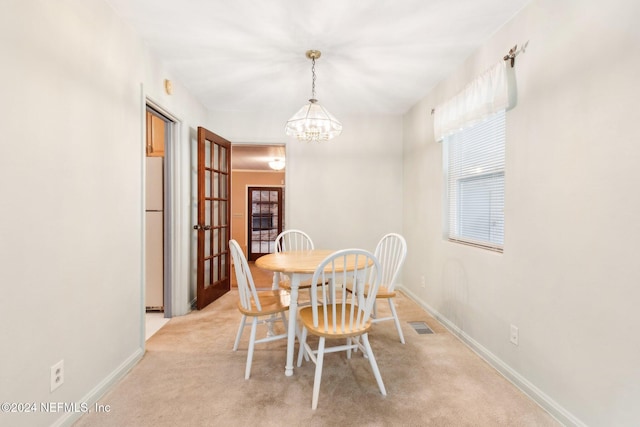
313, 122
277, 164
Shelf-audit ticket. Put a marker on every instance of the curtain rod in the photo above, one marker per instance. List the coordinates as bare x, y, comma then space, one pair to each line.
513, 52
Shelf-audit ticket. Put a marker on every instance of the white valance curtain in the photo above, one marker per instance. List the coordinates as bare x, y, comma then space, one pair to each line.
486, 94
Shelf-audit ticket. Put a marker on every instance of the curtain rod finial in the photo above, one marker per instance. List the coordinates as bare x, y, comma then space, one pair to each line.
513, 52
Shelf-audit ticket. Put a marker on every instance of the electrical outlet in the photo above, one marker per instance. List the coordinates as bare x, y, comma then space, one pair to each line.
422, 282
513, 337
57, 375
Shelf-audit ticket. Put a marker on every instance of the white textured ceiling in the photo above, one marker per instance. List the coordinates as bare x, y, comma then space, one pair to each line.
255, 157
378, 56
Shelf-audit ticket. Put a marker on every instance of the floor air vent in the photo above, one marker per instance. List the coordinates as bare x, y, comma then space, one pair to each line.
421, 327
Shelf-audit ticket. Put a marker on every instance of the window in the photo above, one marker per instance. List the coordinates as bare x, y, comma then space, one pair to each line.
474, 176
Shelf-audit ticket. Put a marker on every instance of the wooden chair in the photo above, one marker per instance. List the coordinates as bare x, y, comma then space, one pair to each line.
262, 306
337, 315
391, 251
292, 241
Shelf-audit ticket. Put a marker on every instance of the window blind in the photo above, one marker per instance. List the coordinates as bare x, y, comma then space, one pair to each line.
474, 168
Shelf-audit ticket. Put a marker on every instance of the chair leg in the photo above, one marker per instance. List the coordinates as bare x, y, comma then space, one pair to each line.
299, 331
374, 365
252, 343
318, 377
269, 323
301, 350
396, 319
284, 320
240, 329
357, 345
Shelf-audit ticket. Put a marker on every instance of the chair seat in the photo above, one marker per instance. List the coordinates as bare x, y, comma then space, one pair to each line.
306, 316
272, 302
383, 291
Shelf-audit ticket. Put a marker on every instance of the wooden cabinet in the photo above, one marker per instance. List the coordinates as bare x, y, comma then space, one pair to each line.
156, 134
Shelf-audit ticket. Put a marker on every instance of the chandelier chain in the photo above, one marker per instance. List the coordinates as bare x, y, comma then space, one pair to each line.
313, 78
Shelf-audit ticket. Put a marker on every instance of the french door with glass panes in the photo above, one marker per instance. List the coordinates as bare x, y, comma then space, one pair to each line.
265, 220
214, 211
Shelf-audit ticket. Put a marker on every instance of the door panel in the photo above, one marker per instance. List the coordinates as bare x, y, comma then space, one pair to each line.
214, 189
265, 220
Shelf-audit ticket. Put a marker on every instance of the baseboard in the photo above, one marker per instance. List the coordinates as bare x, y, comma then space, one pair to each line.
548, 404
98, 391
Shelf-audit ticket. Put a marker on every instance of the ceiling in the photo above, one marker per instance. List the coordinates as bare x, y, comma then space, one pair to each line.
255, 157
378, 56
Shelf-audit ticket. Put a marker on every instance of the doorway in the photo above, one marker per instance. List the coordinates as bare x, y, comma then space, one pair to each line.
251, 168
159, 139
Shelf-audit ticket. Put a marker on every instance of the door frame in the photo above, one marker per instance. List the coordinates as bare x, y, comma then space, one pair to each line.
177, 216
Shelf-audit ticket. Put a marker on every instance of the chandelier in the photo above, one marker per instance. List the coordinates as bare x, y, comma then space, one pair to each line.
313, 122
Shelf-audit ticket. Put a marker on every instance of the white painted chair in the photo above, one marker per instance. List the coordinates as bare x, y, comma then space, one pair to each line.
292, 241
340, 316
391, 251
260, 306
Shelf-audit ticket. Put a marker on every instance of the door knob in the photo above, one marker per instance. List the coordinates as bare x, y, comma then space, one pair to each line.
200, 227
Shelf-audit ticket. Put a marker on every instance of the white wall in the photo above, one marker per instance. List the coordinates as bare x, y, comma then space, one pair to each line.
346, 192
569, 276
71, 222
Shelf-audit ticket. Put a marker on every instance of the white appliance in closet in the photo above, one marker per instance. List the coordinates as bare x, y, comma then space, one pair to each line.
154, 296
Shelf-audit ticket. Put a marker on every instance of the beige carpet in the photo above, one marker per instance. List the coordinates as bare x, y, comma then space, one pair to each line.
191, 377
